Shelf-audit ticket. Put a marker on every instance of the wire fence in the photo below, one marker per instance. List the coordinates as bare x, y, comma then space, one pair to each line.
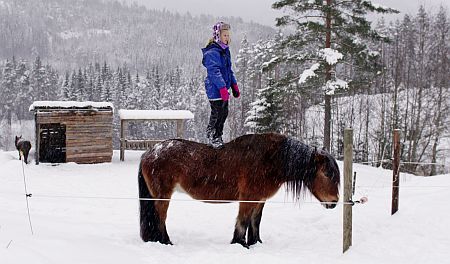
362, 200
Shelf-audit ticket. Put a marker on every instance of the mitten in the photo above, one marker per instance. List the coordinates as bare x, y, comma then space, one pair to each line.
224, 94
235, 90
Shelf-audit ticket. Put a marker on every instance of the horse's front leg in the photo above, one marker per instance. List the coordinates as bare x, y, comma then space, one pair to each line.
242, 223
161, 207
253, 229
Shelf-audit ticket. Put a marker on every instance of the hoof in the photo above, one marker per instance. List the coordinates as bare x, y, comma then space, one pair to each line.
242, 242
168, 242
251, 243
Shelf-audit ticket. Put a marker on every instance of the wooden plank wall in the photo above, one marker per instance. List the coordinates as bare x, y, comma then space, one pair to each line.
88, 134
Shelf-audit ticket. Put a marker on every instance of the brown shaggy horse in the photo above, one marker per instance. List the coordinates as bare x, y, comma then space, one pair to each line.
249, 168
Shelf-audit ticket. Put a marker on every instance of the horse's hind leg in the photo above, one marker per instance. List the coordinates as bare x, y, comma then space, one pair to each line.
242, 223
161, 208
149, 220
253, 228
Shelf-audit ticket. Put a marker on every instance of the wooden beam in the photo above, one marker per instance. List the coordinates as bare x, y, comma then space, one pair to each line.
37, 139
122, 139
180, 128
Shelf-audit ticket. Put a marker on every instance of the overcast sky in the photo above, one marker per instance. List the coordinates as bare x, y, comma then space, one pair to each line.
260, 10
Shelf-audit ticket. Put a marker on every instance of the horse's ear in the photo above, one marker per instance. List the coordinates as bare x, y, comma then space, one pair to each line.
319, 157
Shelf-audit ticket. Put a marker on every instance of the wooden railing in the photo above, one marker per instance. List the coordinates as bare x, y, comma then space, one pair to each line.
143, 144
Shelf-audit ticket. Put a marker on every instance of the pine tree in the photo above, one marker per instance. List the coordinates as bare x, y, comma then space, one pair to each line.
37, 79
73, 87
7, 90
106, 93
157, 89
81, 89
241, 106
105, 74
328, 32
265, 114
23, 100
89, 84
97, 88
50, 87
107, 83
65, 89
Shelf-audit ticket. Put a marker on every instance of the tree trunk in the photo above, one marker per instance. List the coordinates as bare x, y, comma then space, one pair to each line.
327, 121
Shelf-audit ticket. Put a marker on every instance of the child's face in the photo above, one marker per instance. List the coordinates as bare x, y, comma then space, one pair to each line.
225, 36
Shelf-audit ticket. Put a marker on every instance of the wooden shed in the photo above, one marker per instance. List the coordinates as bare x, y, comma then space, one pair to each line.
68, 131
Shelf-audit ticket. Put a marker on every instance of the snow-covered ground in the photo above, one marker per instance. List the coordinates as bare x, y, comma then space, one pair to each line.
90, 230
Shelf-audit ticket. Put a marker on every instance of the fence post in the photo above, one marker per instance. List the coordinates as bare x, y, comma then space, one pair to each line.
123, 123
395, 170
348, 167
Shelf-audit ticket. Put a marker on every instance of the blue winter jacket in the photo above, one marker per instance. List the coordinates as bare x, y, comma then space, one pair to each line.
218, 65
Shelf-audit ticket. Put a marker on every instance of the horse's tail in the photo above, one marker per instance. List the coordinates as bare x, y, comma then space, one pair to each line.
149, 219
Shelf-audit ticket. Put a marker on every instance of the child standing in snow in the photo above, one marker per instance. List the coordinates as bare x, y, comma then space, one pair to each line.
220, 78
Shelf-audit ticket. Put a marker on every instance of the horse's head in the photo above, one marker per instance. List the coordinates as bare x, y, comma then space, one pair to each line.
325, 185
17, 140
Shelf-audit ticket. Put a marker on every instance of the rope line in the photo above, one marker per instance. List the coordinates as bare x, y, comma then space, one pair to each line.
7, 246
417, 187
401, 162
27, 195
180, 200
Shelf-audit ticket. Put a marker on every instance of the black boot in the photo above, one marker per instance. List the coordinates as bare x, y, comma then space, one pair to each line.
217, 143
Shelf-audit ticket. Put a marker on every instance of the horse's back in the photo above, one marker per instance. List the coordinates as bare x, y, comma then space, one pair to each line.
246, 168
242, 143
173, 148
189, 154
197, 168
174, 154
24, 145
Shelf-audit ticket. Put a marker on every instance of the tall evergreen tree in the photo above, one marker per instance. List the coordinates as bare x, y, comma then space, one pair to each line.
37, 79
242, 106
157, 88
81, 83
23, 99
65, 88
7, 90
328, 32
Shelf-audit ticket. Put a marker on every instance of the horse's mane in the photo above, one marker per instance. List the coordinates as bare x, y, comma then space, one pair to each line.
298, 165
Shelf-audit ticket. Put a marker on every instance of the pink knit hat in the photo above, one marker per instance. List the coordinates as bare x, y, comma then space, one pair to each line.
217, 28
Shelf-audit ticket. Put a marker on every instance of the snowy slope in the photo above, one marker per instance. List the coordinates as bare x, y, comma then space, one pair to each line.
82, 230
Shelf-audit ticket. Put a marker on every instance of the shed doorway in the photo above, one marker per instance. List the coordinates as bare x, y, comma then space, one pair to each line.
52, 143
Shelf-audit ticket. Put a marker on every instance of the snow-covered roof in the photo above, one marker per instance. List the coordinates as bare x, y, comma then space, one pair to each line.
155, 114
70, 105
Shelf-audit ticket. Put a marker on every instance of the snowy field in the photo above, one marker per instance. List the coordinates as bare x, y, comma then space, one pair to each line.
68, 229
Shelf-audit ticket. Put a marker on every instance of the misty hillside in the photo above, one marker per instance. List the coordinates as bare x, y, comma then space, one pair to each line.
71, 33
